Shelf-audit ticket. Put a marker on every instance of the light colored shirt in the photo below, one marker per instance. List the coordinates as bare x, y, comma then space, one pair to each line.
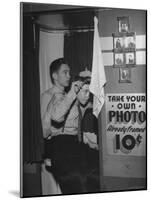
59, 112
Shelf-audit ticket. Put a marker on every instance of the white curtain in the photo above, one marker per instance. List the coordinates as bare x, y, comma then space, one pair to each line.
51, 47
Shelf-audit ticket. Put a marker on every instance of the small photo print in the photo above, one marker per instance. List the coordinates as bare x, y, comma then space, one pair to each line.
123, 23
130, 42
130, 58
119, 59
125, 75
118, 43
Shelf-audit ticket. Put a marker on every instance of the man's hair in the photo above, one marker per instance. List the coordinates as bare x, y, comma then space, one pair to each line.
55, 66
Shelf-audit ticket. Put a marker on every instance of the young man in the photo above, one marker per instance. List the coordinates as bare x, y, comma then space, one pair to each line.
89, 133
61, 119
54, 102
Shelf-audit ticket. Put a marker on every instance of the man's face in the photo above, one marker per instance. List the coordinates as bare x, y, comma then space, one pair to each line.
83, 95
62, 76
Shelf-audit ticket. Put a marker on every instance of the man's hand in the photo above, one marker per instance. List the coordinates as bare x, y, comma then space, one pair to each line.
47, 162
76, 86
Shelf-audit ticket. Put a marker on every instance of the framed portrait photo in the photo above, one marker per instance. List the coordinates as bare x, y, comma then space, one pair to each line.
123, 24
118, 43
130, 58
119, 60
124, 75
130, 42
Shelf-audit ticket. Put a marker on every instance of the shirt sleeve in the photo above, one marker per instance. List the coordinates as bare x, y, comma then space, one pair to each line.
61, 105
45, 116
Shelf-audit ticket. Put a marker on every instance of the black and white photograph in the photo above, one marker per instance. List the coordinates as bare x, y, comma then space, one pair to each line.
130, 42
125, 76
118, 43
82, 131
123, 23
119, 59
130, 58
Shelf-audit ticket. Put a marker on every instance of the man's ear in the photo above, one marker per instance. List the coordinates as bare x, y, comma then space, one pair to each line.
54, 75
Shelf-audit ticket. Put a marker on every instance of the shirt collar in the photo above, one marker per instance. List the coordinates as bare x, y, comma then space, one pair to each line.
57, 89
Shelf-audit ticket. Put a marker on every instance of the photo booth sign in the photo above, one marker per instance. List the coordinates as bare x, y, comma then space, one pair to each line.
126, 124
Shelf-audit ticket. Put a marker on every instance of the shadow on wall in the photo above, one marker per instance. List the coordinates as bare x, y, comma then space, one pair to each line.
15, 193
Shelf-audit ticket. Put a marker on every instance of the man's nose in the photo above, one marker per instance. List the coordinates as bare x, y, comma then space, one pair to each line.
68, 76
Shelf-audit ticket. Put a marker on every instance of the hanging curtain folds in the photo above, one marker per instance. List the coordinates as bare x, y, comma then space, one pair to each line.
78, 49
32, 129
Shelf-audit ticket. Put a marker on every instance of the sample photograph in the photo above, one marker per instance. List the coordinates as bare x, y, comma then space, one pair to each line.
118, 43
130, 42
123, 24
130, 58
82, 131
125, 75
119, 59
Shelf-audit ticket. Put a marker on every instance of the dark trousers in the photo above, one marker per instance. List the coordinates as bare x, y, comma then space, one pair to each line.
72, 165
